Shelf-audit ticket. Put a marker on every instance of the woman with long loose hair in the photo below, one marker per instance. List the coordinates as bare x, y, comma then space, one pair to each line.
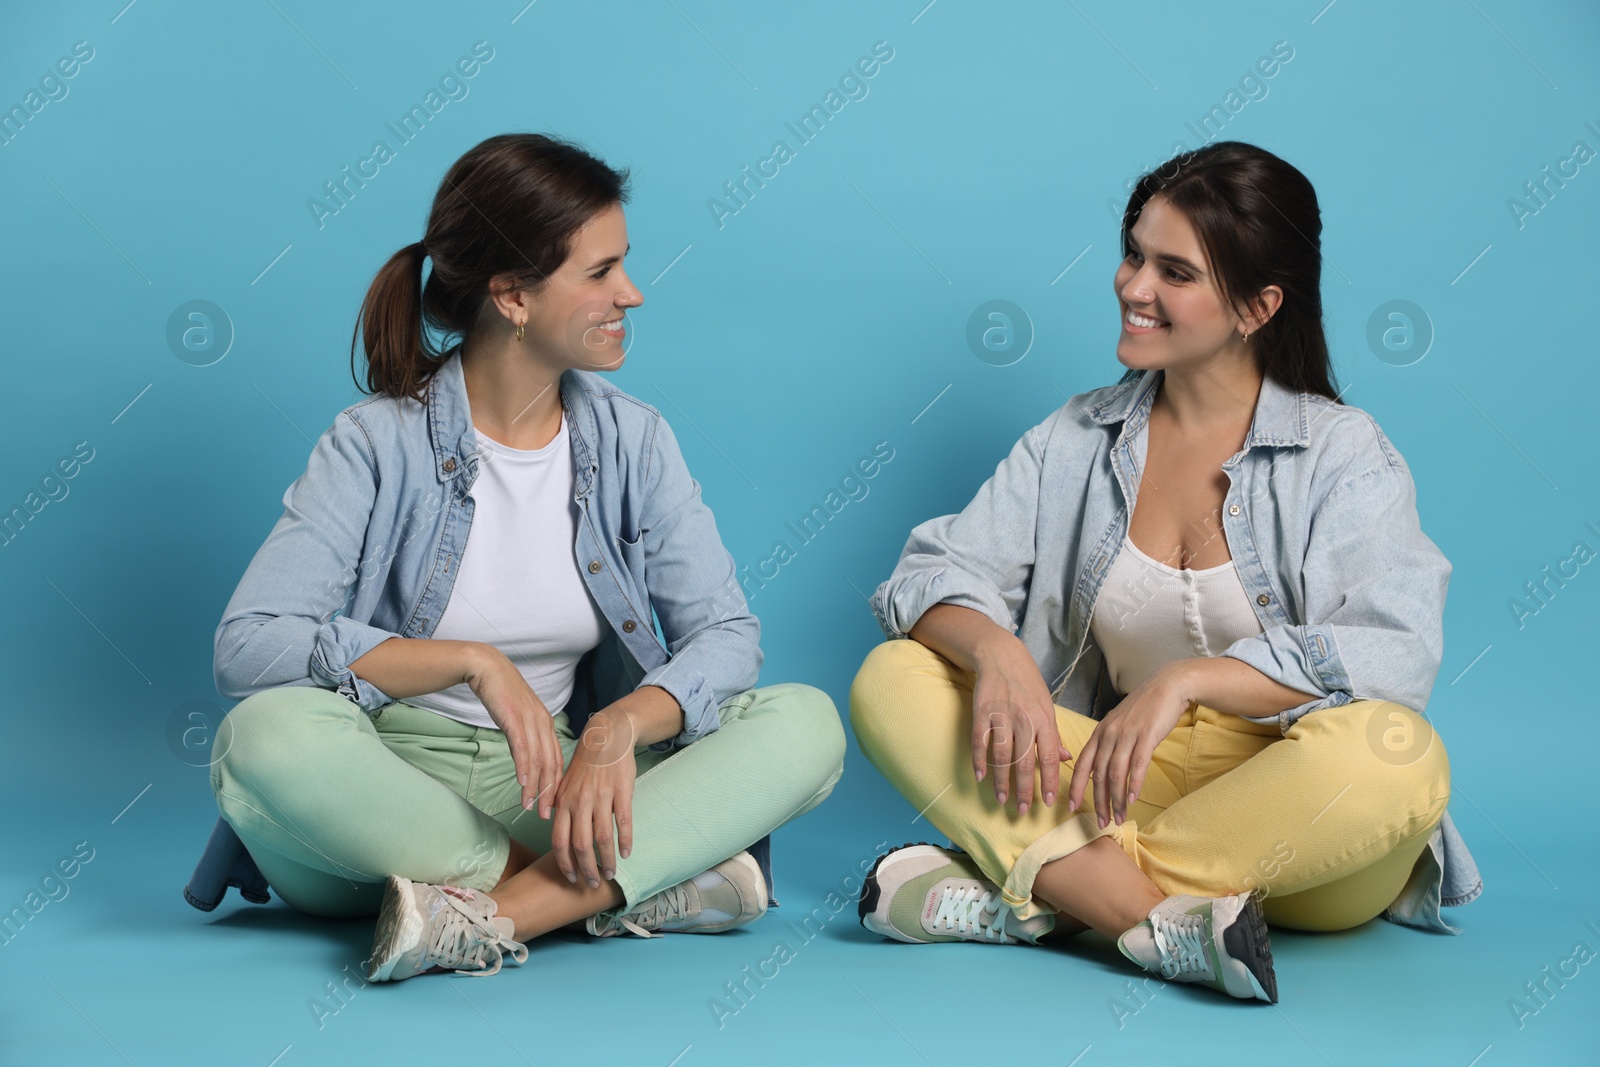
1165, 673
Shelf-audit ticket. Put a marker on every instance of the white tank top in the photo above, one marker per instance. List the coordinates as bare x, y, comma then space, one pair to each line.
1149, 614
518, 586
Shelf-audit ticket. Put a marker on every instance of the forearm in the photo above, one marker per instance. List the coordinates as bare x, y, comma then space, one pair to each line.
1230, 685
648, 714
412, 666
966, 637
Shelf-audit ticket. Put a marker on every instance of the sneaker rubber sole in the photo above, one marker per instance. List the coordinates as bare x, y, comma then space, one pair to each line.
399, 926
1247, 941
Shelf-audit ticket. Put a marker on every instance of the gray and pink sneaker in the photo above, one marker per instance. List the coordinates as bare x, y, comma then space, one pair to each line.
1219, 942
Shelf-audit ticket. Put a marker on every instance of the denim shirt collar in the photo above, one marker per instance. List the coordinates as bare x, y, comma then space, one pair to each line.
450, 423
1280, 417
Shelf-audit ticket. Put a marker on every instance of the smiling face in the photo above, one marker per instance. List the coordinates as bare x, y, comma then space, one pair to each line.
576, 318
1173, 311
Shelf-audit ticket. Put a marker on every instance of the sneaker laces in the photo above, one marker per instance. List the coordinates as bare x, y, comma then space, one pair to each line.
671, 903
464, 934
972, 912
1181, 941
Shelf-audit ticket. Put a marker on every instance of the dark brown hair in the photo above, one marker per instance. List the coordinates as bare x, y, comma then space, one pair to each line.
511, 205
1258, 221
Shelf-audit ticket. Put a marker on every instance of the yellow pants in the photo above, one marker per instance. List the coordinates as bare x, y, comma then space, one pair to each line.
1326, 820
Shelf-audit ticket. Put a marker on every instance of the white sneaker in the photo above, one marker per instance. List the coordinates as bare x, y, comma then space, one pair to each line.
730, 894
1219, 942
424, 926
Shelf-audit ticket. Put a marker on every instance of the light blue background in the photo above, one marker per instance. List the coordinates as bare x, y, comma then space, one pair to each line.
827, 315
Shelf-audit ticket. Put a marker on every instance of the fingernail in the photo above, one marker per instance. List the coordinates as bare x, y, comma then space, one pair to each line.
1001, 797
624, 853
593, 884
572, 878
1102, 821
608, 874
1022, 809
1049, 798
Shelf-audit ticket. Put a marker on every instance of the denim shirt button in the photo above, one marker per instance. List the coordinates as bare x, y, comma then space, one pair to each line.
1233, 509
1263, 599
627, 626
450, 464
594, 566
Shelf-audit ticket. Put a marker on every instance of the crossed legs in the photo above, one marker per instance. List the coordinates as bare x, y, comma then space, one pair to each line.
1327, 820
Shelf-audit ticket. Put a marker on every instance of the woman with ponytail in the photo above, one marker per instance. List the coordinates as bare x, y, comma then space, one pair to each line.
456, 710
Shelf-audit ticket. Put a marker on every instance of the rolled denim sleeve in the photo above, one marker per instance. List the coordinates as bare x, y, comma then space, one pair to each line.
981, 558
713, 640
337, 644
1373, 591
283, 625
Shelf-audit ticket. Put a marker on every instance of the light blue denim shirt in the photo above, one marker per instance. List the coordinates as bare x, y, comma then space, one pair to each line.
1320, 519
371, 538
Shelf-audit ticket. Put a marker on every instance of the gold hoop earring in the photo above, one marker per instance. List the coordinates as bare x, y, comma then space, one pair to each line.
519, 331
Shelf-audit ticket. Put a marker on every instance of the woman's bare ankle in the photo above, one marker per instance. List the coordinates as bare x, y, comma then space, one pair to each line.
1099, 886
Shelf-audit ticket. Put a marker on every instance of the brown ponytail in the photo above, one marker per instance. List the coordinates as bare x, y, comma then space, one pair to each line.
510, 205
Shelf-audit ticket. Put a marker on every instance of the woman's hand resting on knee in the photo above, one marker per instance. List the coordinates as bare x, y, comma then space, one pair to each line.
526, 722
597, 789
1014, 728
1118, 753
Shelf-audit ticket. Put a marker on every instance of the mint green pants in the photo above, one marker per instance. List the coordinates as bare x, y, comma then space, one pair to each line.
330, 801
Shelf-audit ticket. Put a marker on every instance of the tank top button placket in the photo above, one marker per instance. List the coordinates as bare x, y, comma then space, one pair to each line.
1191, 613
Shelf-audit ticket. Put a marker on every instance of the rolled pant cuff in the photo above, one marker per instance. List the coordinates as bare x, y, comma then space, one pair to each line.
630, 892
1064, 840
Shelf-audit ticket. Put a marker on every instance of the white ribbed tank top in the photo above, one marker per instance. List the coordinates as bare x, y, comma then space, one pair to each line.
1149, 614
